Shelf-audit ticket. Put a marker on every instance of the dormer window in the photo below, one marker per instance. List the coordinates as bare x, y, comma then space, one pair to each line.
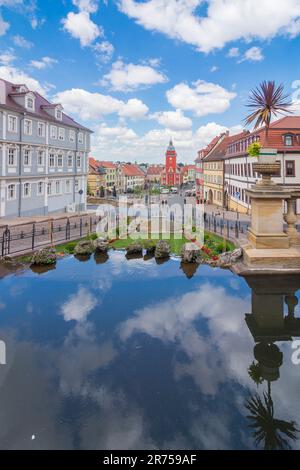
288, 140
58, 114
29, 102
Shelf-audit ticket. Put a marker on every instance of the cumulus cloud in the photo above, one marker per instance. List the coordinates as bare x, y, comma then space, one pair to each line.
202, 98
174, 120
15, 75
225, 20
254, 54
79, 305
129, 77
4, 26
90, 6
121, 133
92, 106
233, 52
104, 51
43, 63
80, 26
20, 41
7, 57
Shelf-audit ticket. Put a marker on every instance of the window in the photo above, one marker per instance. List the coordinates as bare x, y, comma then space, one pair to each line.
11, 192
12, 160
57, 187
51, 160
41, 158
41, 129
27, 127
49, 189
58, 114
78, 161
76, 185
68, 186
72, 136
12, 124
40, 188
290, 168
30, 103
80, 138
53, 132
61, 133
59, 160
26, 190
70, 160
27, 157
288, 140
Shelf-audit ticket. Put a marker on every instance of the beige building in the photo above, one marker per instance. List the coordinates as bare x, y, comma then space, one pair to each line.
213, 172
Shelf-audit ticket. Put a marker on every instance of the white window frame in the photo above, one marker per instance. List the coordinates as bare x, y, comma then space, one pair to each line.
49, 188
68, 183
11, 118
40, 193
39, 153
9, 198
61, 133
72, 135
30, 98
58, 114
42, 126
25, 196
53, 132
80, 137
62, 160
29, 157
78, 161
14, 164
50, 159
29, 122
60, 187
70, 159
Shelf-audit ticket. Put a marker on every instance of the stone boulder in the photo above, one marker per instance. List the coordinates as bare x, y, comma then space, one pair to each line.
229, 258
162, 250
134, 249
45, 256
84, 247
100, 245
150, 246
190, 253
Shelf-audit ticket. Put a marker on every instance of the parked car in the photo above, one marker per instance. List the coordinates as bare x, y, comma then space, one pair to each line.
174, 190
165, 191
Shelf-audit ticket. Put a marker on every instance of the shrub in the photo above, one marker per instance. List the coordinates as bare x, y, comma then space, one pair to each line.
254, 149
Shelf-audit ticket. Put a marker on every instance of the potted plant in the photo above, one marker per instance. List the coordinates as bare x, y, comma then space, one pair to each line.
266, 101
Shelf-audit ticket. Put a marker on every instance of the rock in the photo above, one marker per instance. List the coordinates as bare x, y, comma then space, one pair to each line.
190, 253
100, 245
150, 246
84, 247
162, 250
229, 258
45, 256
134, 249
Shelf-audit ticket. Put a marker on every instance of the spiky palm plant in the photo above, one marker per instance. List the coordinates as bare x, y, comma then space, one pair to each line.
274, 433
267, 100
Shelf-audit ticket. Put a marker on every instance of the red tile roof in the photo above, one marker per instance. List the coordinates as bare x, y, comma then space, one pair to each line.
154, 170
110, 165
130, 169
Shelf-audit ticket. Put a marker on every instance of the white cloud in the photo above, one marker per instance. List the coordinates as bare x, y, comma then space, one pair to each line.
104, 51
233, 52
15, 75
20, 41
214, 68
207, 132
129, 77
122, 133
79, 305
174, 120
4, 26
43, 63
202, 98
92, 106
90, 6
80, 26
7, 58
254, 54
225, 20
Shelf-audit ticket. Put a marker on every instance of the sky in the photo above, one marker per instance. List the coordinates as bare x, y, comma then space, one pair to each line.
138, 73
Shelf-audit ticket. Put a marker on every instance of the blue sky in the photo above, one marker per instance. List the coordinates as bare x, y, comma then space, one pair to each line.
140, 72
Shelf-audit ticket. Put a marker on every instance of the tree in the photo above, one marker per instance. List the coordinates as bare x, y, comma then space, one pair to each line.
267, 100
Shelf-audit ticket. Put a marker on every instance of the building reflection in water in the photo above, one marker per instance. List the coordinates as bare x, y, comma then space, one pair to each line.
269, 325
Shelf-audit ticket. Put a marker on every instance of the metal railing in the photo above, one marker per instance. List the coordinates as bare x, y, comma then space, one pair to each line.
225, 228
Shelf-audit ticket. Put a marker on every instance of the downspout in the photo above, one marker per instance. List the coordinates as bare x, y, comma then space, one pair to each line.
75, 166
20, 166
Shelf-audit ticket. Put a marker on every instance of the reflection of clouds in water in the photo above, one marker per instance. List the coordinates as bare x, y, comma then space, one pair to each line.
2, 306
210, 358
79, 305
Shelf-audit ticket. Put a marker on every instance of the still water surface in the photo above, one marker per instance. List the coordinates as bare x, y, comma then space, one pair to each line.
118, 354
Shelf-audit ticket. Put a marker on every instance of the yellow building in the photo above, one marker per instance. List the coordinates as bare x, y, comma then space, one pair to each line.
96, 178
111, 175
213, 173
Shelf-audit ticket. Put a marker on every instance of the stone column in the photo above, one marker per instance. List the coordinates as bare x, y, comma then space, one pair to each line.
291, 220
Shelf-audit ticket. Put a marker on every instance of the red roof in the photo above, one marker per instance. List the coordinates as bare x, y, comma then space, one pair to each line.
130, 169
154, 170
107, 164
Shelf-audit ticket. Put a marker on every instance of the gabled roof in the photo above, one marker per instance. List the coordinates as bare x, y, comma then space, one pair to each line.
109, 165
130, 169
40, 103
154, 170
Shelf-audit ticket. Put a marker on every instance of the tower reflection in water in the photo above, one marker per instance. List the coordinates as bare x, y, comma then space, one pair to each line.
268, 324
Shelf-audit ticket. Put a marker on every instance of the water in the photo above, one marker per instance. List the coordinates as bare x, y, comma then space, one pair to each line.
130, 354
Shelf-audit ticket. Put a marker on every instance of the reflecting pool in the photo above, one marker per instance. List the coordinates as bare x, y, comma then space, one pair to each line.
110, 353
